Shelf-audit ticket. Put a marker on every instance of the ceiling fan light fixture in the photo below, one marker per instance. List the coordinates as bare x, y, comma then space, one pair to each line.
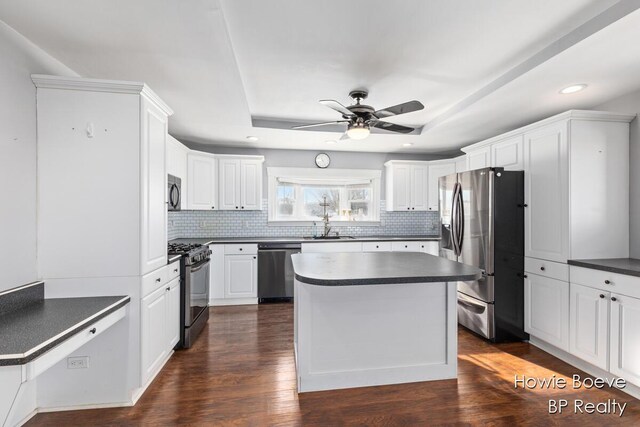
358, 131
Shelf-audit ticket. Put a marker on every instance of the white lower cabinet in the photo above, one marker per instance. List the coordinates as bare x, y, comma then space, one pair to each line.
547, 309
234, 274
625, 338
589, 325
160, 325
240, 276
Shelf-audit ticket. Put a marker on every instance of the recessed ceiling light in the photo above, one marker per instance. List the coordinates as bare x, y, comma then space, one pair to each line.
252, 138
331, 141
573, 89
407, 144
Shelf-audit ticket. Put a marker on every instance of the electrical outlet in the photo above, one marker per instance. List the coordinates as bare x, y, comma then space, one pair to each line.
78, 362
203, 224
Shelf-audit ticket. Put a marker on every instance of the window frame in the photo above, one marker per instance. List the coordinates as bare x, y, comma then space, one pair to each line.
275, 173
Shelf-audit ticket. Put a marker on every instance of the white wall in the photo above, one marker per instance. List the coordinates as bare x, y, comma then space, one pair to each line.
630, 103
19, 59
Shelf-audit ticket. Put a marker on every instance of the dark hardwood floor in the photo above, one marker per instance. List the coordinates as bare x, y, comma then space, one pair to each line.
241, 372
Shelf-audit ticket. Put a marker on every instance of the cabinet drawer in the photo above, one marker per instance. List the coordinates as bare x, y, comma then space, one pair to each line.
606, 281
242, 249
553, 270
405, 246
376, 246
173, 270
155, 279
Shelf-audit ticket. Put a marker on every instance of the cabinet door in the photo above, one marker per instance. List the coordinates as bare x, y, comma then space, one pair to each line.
419, 188
625, 338
229, 184
202, 182
172, 290
405, 247
154, 335
546, 188
478, 159
508, 154
376, 247
153, 188
332, 247
251, 185
401, 188
435, 172
432, 248
589, 325
240, 276
547, 310
461, 164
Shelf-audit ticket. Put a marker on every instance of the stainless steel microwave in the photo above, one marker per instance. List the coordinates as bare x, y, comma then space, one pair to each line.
174, 192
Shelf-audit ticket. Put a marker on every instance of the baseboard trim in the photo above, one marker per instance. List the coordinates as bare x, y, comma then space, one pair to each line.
27, 418
135, 396
233, 301
587, 367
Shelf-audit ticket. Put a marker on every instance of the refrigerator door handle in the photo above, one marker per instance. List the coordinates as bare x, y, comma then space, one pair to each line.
454, 217
460, 222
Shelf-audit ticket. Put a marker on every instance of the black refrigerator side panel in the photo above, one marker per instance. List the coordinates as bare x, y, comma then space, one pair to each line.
509, 256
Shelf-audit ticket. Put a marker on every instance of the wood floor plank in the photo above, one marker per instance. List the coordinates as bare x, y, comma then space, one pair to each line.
241, 372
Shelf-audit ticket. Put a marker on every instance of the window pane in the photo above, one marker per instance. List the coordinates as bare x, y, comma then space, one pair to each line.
313, 199
360, 194
286, 200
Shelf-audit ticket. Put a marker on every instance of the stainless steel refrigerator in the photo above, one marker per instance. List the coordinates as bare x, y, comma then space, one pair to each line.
482, 220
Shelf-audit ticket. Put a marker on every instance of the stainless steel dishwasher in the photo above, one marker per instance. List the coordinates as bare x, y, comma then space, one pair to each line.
275, 271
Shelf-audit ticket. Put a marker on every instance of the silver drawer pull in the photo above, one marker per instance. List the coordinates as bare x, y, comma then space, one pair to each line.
175, 270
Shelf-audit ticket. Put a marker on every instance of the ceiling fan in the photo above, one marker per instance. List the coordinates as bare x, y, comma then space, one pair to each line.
360, 117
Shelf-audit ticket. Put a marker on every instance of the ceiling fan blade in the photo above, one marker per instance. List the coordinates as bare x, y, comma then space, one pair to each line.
335, 105
320, 124
392, 127
396, 110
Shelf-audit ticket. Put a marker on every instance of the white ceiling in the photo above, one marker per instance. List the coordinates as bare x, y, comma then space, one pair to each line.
220, 65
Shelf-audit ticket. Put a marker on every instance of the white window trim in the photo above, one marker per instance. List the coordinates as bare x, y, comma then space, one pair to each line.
273, 173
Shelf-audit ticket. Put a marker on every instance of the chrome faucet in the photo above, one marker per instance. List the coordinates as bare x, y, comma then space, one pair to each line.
325, 217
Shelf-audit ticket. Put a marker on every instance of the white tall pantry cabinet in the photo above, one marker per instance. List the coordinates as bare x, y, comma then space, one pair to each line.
102, 229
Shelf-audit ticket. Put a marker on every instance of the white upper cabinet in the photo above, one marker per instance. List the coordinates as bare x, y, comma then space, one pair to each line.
101, 177
546, 185
229, 171
202, 180
461, 163
437, 170
508, 154
479, 158
577, 188
407, 186
251, 184
241, 183
154, 187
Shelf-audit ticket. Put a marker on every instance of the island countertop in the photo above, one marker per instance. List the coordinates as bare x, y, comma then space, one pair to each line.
375, 268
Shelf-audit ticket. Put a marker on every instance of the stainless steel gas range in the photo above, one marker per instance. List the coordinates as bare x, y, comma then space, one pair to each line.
194, 289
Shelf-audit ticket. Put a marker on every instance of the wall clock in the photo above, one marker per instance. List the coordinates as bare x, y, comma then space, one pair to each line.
323, 160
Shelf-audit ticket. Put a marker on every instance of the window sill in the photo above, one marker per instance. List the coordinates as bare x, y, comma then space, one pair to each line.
333, 224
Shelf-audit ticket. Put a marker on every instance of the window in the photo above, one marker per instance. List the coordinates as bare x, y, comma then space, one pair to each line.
304, 194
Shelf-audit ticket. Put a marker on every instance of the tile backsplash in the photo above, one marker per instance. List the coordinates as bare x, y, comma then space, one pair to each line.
254, 224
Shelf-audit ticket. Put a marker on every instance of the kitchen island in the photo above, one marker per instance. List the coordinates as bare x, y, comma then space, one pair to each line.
374, 318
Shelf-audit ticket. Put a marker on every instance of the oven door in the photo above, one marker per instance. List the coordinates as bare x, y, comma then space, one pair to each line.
196, 291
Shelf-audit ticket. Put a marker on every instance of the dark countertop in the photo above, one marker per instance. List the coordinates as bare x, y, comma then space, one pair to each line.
374, 268
38, 327
298, 239
628, 266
